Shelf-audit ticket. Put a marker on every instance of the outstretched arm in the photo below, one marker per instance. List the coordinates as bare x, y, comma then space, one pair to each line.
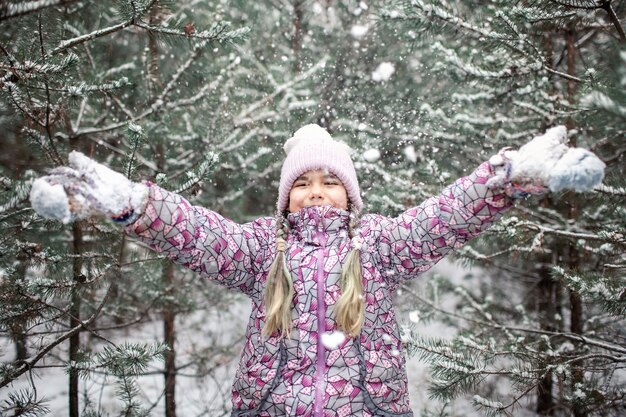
195, 237
203, 240
421, 236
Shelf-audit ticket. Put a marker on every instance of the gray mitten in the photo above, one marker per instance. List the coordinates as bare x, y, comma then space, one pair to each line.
87, 188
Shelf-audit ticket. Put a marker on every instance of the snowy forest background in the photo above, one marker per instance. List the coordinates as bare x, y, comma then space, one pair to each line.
199, 96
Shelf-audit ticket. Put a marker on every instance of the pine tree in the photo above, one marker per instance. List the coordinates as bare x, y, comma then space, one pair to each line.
423, 92
552, 335
71, 79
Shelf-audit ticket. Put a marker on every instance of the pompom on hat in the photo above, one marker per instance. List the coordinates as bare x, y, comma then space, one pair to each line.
312, 148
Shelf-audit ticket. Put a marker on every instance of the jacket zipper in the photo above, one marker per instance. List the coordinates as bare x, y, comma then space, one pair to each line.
320, 383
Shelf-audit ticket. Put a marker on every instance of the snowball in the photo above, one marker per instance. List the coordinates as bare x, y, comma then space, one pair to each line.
578, 170
332, 340
414, 316
50, 201
384, 72
371, 155
358, 31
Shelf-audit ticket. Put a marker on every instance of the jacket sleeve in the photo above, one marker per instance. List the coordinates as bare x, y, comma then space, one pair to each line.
204, 241
421, 236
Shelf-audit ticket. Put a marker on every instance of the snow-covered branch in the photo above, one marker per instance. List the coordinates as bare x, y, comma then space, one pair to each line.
601, 101
19, 102
9, 10
471, 253
567, 335
249, 185
431, 12
516, 70
612, 237
181, 70
204, 91
219, 32
428, 14
244, 114
69, 43
607, 189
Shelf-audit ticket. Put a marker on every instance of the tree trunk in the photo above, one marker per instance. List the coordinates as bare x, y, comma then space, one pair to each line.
576, 324
548, 295
296, 41
576, 307
153, 53
547, 290
169, 317
169, 333
545, 401
17, 327
19, 338
570, 39
75, 319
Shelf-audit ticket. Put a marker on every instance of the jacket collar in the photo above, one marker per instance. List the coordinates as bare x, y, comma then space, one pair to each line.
319, 225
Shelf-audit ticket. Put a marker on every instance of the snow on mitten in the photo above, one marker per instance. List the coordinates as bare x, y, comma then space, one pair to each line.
502, 164
578, 170
545, 164
87, 188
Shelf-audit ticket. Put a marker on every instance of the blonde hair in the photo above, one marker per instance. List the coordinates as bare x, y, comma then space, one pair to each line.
350, 308
279, 287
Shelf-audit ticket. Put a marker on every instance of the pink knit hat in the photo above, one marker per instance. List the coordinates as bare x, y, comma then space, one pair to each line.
311, 148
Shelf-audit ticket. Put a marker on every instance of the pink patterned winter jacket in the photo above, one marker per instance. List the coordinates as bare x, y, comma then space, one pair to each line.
300, 375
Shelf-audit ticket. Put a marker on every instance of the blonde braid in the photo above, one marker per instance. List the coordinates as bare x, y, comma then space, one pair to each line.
350, 309
279, 287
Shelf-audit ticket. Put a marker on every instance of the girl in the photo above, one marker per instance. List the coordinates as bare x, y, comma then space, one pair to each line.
322, 339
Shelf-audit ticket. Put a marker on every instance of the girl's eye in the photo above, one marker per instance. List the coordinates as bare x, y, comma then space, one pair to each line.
331, 183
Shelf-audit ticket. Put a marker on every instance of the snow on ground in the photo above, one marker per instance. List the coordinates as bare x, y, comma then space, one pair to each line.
417, 370
205, 396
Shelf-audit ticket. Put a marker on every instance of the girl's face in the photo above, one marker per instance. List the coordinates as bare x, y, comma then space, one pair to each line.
317, 188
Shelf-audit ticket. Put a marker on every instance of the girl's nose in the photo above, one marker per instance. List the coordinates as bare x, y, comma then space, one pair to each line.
316, 190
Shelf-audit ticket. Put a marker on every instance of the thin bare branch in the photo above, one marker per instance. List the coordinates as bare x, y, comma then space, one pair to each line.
25, 366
